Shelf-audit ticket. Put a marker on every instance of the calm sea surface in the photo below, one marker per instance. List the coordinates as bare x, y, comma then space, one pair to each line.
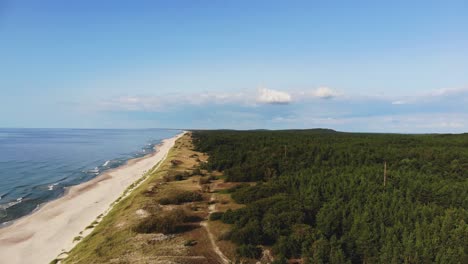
37, 164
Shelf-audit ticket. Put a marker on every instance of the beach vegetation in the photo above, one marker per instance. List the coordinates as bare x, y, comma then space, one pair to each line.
216, 216
204, 180
249, 251
166, 223
176, 176
197, 171
179, 197
190, 243
115, 236
176, 162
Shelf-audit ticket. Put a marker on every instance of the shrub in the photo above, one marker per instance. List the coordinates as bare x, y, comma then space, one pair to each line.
216, 216
251, 233
178, 177
249, 251
237, 187
165, 223
230, 216
181, 197
190, 243
197, 171
212, 177
165, 201
189, 197
176, 162
192, 218
204, 180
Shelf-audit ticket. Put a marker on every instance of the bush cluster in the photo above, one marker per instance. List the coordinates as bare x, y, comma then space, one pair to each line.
181, 197
166, 223
249, 251
216, 216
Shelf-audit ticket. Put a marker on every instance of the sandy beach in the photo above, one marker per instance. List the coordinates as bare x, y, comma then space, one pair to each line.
49, 231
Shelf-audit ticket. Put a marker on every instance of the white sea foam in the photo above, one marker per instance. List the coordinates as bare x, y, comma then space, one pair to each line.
51, 187
10, 204
106, 163
95, 170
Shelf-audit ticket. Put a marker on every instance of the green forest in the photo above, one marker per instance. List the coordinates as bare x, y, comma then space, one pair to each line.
320, 194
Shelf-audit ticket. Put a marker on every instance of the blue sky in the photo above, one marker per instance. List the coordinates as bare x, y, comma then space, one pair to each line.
383, 66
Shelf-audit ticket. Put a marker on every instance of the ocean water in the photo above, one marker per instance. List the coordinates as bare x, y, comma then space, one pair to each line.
37, 164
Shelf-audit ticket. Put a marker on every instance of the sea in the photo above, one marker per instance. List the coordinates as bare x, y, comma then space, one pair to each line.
37, 165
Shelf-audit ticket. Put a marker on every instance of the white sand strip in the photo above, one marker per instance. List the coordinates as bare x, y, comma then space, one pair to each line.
43, 235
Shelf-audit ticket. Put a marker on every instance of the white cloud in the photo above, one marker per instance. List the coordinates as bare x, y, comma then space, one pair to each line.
325, 93
166, 102
400, 123
269, 96
449, 91
214, 98
433, 96
444, 111
399, 102
132, 103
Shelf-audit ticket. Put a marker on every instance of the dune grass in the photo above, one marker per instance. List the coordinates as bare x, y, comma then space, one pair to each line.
109, 238
131, 231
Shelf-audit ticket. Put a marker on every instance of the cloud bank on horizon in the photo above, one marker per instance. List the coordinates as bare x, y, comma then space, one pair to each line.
442, 110
398, 66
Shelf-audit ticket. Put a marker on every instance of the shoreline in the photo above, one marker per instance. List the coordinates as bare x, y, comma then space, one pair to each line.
50, 230
66, 189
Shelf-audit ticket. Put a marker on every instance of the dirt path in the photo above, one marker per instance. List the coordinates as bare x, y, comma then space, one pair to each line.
212, 209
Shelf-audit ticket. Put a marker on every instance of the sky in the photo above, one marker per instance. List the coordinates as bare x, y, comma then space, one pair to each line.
363, 66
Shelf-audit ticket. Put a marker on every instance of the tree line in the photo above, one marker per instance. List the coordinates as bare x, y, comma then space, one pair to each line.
320, 194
